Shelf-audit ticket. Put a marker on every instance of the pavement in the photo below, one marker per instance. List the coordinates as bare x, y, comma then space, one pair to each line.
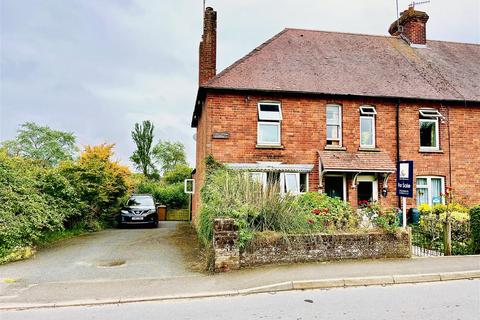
246, 281
162, 264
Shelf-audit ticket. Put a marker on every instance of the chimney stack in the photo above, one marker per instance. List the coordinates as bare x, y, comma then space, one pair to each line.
208, 47
411, 26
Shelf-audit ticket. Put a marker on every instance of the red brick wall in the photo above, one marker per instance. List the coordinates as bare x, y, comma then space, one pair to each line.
303, 132
415, 30
465, 152
208, 47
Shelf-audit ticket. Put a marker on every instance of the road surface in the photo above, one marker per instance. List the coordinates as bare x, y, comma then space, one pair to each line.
449, 300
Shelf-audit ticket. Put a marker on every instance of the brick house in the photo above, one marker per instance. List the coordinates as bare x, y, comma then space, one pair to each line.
333, 112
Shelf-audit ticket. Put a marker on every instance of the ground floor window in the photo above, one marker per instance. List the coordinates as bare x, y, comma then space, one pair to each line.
287, 182
429, 190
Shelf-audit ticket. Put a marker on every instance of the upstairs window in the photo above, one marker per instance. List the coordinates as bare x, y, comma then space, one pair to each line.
367, 126
334, 125
429, 136
269, 122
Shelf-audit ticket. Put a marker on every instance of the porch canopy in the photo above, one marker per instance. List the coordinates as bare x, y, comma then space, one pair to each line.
271, 166
358, 162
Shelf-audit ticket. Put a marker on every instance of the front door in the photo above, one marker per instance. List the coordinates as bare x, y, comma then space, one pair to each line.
367, 189
334, 186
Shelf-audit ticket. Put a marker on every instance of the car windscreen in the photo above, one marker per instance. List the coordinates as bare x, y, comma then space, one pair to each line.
140, 202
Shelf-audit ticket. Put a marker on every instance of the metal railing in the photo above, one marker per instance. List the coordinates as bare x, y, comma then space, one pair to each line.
427, 244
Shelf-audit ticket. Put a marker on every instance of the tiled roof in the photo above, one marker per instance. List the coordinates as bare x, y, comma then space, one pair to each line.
359, 161
309, 61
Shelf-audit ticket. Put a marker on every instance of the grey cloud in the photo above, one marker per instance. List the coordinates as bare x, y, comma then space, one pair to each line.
97, 67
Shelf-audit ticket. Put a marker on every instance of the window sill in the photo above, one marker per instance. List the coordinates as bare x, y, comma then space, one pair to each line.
267, 146
422, 150
339, 148
368, 149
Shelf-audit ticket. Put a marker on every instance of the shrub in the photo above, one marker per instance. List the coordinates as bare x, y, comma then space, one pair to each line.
101, 183
258, 209
31, 202
431, 225
37, 199
235, 194
172, 196
383, 218
475, 228
328, 214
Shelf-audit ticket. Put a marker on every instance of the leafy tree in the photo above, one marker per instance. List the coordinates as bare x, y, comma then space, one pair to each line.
42, 143
143, 138
169, 154
101, 182
178, 174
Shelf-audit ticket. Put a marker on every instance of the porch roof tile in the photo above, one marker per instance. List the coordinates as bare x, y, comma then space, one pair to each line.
355, 162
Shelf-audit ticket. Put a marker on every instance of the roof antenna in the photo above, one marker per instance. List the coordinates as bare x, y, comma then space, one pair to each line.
203, 13
413, 4
398, 17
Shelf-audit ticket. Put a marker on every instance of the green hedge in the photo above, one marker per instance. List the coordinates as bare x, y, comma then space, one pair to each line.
475, 228
37, 200
171, 195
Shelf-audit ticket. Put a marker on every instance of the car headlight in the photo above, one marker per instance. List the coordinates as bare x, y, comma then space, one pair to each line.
124, 211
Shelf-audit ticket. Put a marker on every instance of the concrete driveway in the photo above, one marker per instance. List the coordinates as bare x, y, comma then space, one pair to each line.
169, 251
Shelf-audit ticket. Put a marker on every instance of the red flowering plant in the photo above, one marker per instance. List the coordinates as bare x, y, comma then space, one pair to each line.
363, 204
326, 214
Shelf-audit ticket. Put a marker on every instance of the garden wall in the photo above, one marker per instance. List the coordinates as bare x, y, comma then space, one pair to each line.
304, 248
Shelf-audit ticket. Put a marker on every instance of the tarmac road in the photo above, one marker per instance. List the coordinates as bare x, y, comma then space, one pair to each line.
164, 252
448, 300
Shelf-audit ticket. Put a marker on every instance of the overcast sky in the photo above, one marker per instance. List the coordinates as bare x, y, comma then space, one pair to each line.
96, 67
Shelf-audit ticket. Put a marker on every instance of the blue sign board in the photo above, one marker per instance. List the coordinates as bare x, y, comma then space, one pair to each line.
405, 178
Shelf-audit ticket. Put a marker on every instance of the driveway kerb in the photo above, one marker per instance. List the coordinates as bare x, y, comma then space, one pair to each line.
283, 286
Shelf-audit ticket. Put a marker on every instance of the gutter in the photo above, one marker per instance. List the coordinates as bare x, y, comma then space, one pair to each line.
202, 91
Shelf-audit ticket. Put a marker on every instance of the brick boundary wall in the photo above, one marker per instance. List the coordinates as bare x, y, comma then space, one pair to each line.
304, 248
226, 251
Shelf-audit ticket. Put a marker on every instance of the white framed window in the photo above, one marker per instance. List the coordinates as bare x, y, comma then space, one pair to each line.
269, 123
430, 113
288, 182
292, 183
268, 133
259, 177
368, 111
429, 137
189, 186
269, 111
334, 124
429, 190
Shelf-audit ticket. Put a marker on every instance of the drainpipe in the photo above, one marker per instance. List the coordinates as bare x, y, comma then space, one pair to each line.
397, 124
450, 146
